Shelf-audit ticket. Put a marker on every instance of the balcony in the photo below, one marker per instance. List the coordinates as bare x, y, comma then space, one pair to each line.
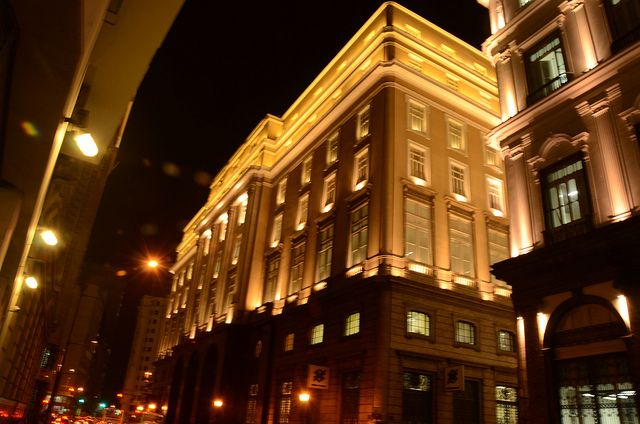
625, 40
567, 231
548, 88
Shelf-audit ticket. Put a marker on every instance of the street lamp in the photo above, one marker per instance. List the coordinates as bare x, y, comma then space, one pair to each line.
217, 409
304, 398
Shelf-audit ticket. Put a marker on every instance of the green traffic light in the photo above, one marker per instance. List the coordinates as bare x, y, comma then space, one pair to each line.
102, 405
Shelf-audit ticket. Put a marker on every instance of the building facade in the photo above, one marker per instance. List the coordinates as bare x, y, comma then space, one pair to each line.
343, 253
137, 383
568, 86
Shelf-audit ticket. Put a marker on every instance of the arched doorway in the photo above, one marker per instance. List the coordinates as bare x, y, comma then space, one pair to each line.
186, 403
207, 385
176, 381
591, 365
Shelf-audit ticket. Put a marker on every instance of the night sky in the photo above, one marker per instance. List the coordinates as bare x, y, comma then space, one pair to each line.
222, 68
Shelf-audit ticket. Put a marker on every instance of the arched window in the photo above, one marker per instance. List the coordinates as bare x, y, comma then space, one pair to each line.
591, 368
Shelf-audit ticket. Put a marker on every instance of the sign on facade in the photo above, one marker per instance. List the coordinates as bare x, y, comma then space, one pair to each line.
454, 378
318, 377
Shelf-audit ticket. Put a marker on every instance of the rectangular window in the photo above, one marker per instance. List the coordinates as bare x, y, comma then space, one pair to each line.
332, 149
461, 246
303, 211
361, 168
492, 157
306, 171
418, 323
418, 163
545, 68
288, 342
455, 132
206, 242
417, 117
271, 280
565, 198
231, 289
284, 407
465, 333
498, 248
252, 403
506, 405
317, 334
236, 249
506, 341
297, 268
350, 398
222, 228
623, 16
325, 250
281, 191
495, 195
466, 403
352, 324
359, 234
523, 2
363, 123
242, 212
417, 398
417, 232
458, 173
329, 192
276, 233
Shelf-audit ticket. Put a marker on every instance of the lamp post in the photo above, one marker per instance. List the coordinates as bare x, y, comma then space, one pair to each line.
304, 398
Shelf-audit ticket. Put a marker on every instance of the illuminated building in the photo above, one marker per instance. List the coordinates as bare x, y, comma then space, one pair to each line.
351, 239
137, 384
67, 70
568, 73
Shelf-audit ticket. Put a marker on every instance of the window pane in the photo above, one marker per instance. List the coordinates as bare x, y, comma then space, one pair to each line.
418, 232
325, 249
465, 332
352, 324
506, 405
317, 334
461, 245
350, 398
417, 398
359, 234
418, 323
545, 67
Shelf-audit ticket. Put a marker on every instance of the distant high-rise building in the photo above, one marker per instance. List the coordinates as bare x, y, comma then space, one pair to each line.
144, 347
568, 82
344, 250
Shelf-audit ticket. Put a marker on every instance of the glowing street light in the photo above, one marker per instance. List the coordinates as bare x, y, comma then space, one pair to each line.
152, 406
152, 263
217, 403
49, 237
86, 144
31, 282
304, 397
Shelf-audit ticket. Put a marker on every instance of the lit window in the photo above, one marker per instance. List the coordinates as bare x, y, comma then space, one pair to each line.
418, 323
498, 248
284, 409
329, 192
359, 234
361, 168
458, 173
363, 123
306, 170
297, 268
507, 405
281, 191
252, 404
276, 233
465, 333
623, 16
455, 131
206, 242
494, 188
222, 229
217, 263
325, 249
317, 334
332, 149
418, 157
524, 2
417, 116
461, 246
352, 324
565, 197
288, 342
545, 69
506, 341
242, 212
271, 281
492, 157
417, 232
303, 210
236, 249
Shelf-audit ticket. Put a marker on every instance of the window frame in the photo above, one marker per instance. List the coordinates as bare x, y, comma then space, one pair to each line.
425, 180
349, 329
512, 341
457, 336
414, 105
276, 236
472, 248
358, 227
333, 141
363, 123
451, 123
288, 342
417, 227
498, 184
298, 251
539, 90
316, 334
325, 248
305, 172
329, 180
281, 191
466, 196
302, 214
429, 323
360, 179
